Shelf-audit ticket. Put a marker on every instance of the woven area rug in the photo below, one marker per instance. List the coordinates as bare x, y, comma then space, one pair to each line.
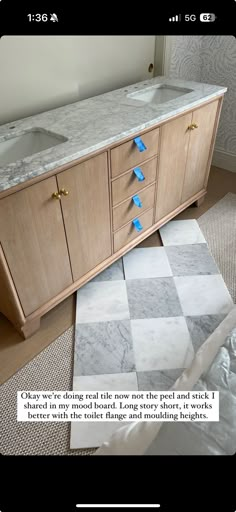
53, 368
219, 228
140, 322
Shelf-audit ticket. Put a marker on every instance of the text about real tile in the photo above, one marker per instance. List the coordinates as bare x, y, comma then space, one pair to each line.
118, 406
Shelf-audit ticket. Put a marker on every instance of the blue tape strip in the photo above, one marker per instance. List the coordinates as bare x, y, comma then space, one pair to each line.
137, 201
137, 224
138, 173
140, 144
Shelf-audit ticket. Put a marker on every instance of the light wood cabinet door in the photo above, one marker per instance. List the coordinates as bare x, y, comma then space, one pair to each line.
86, 213
199, 152
172, 163
33, 240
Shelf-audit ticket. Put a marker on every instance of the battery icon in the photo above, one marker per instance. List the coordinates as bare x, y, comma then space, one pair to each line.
207, 16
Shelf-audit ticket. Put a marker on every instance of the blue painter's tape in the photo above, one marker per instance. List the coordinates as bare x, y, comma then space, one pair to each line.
137, 224
137, 201
140, 144
138, 173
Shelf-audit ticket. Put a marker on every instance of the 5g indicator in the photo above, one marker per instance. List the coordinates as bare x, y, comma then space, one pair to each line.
190, 17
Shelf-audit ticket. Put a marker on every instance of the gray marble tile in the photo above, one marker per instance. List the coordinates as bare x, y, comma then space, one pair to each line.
200, 327
113, 273
104, 347
153, 298
187, 260
158, 380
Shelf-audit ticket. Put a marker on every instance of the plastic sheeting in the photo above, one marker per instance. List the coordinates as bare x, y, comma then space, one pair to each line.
213, 368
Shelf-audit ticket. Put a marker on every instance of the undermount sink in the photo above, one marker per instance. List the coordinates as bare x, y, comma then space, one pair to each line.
160, 93
27, 144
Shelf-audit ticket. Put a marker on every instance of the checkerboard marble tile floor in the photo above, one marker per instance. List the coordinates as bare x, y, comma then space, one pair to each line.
139, 323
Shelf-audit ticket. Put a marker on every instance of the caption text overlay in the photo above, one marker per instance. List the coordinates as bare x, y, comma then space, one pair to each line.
118, 405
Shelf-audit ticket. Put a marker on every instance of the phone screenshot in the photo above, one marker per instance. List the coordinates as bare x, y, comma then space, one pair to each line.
118, 256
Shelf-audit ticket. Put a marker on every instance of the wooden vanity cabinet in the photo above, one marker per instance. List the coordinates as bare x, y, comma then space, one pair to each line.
58, 233
33, 243
86, 213
186, 147
201, 140
172, 163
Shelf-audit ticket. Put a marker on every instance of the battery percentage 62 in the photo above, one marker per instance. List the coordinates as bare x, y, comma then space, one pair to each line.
207, 16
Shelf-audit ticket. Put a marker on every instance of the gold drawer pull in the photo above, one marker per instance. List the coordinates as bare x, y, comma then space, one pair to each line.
64, 192
56, 195
192, 126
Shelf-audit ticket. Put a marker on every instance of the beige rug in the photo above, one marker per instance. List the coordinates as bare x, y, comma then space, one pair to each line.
52, 368
219, 228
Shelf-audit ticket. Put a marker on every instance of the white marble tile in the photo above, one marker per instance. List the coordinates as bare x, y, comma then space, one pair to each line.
203, 295
112, 273
161, 343
181, 232
159, 380
102, 302
146, 262
93, 434
106, 382
88, 434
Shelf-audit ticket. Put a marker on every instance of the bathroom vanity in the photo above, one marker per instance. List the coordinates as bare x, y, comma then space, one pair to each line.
83, 184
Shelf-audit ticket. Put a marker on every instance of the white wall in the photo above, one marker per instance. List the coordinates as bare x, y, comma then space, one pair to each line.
38, 73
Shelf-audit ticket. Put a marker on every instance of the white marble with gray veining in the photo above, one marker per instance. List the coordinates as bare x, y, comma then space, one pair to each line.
92, 124
161, 343
181, 232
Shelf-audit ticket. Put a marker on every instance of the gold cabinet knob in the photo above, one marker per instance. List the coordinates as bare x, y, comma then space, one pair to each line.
192, 126
56, 195
64, 192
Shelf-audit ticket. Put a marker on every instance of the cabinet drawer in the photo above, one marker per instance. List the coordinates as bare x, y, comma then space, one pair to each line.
128, 233
128, 155
128, 209
128, 184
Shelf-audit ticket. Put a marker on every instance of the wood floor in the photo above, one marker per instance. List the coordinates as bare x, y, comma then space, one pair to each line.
15, 352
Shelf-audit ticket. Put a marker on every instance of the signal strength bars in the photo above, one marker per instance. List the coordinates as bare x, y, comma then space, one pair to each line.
175, 18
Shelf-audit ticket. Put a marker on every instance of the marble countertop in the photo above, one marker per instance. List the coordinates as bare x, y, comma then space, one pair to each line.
92, 124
